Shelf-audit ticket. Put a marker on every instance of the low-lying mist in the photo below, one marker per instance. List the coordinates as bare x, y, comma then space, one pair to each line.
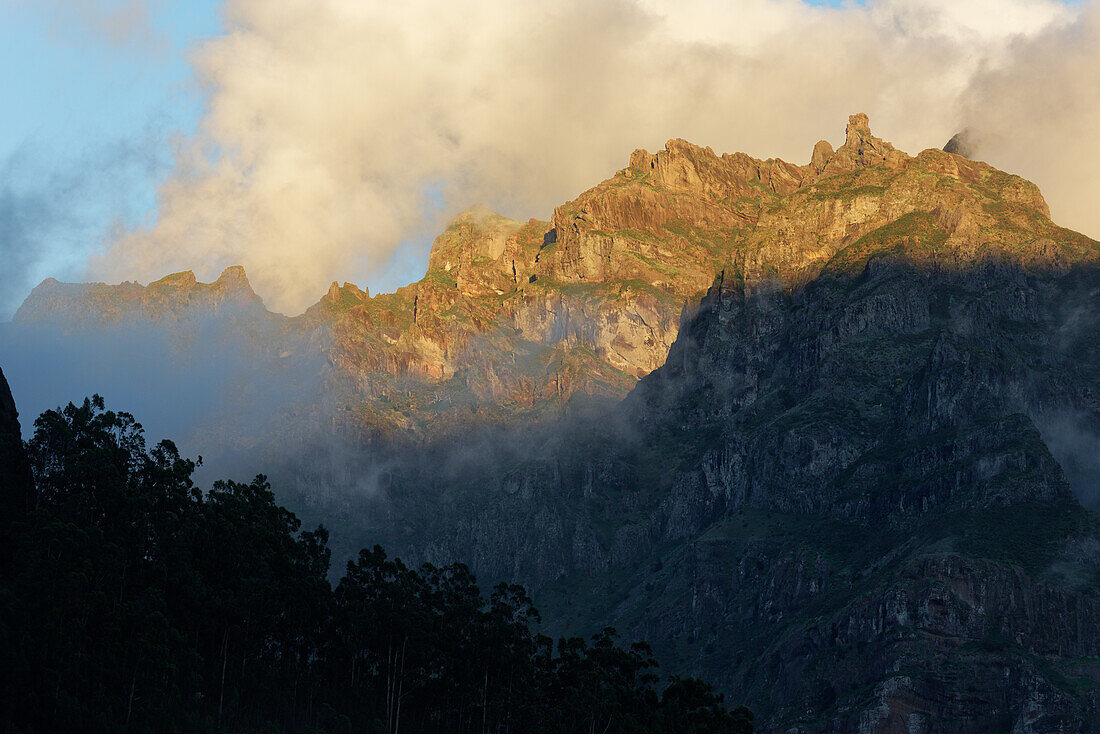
252, 395
212, 385
1073, 438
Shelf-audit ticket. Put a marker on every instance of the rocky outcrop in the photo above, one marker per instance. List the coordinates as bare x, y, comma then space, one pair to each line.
15, 473
861, 149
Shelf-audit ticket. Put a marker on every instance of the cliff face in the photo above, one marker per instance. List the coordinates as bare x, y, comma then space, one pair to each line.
867, 519
841, 494
840, 500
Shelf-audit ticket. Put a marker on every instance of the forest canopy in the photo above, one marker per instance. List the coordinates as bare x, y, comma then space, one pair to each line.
132, 601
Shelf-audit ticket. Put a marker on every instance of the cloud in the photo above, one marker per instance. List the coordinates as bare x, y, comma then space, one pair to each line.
1039, 114
20, 215
117, 23
337, 130
1074, 440
51, 211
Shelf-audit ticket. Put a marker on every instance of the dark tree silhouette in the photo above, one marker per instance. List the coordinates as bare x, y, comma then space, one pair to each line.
134, 602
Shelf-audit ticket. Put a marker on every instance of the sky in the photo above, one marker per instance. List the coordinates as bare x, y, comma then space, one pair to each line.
96, 92
320, 140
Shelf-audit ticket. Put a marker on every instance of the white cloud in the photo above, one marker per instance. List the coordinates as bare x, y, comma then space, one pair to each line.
1039, 115
329, 119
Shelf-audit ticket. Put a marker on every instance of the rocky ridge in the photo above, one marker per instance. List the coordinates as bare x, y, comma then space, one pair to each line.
513, 318
176, 296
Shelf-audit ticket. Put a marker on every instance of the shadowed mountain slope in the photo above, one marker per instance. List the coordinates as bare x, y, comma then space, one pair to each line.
845, 501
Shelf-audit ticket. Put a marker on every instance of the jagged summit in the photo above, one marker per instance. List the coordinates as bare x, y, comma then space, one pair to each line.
233, 277
527, 314
185, 279
862, 149
338, 294
173, 296
684, 166
234, 274
480, 215
477, 232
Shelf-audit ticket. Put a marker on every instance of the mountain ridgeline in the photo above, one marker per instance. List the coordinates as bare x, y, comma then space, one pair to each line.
823, 434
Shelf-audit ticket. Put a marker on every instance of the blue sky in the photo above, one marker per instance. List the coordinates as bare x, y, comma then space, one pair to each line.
64, 76
87, 126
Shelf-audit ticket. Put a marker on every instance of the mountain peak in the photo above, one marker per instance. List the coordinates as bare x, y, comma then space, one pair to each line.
478, 214
961, 143
184, 279
234, 275
337, 294
173, 296
823, 151
859, 126
861, 149
476, 232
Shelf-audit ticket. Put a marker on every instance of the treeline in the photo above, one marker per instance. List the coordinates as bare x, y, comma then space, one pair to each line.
131, 601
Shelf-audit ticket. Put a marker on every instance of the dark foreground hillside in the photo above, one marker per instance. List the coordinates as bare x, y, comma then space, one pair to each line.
131, 601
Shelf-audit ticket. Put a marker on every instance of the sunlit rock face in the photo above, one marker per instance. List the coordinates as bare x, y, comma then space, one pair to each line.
525, 315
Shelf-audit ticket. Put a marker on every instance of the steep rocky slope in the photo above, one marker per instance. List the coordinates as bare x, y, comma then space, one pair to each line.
866, 508
836, 499
843, 494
